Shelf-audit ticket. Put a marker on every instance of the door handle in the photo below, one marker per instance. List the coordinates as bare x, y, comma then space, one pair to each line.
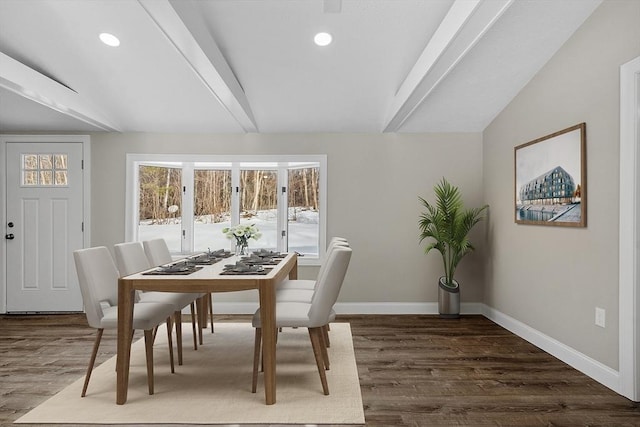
9, 236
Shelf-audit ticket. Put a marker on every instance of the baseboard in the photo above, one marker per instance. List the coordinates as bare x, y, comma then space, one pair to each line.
400, 308
359, 308
588, 366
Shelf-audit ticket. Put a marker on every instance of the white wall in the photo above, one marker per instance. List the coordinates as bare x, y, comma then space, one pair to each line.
552, 278
374, 181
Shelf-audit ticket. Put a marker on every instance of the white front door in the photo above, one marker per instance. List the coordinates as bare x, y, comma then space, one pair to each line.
44, 226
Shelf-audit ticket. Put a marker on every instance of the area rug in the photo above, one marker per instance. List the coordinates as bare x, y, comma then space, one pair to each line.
213, 386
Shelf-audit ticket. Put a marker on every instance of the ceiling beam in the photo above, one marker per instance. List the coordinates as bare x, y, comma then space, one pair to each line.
183, 25
463, 26
30, 84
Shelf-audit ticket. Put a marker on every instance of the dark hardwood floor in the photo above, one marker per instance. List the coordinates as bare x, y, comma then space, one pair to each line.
414, 371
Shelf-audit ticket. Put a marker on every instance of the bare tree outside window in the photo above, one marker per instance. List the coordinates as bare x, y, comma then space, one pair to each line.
160, 204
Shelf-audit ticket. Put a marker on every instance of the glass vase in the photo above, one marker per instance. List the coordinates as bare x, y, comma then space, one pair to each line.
242, 249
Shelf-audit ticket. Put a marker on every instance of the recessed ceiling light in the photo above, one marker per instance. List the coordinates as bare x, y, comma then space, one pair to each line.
322, 39
109, 39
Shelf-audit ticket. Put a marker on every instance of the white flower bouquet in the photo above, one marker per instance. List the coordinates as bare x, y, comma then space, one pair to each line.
242, 233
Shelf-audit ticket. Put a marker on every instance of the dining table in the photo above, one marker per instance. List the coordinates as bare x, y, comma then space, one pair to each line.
205, 279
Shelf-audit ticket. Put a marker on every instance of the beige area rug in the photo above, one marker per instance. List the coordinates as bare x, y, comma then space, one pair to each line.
213, 386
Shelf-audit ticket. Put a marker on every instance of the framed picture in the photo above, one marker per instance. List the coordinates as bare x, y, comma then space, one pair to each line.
551, 179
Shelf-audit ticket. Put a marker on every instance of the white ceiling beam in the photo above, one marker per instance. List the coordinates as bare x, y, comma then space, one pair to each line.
185, 28
30, 84
463, 26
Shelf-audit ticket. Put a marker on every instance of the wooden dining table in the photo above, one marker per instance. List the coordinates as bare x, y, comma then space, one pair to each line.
209, 278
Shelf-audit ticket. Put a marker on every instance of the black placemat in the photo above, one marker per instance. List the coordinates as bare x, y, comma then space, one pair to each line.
260, 261
246, 273
163, 272
203, 260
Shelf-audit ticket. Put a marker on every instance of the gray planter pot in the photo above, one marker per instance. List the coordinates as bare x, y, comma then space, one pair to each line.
448, 299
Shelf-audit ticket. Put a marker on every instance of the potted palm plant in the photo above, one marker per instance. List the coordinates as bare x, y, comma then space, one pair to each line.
448, 223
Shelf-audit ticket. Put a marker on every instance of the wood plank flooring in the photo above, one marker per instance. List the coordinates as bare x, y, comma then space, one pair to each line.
414, 371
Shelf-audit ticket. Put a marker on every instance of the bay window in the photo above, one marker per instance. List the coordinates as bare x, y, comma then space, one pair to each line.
189, 199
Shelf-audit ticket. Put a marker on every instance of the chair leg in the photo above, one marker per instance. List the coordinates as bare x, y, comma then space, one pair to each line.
211, 310
170, 342
201, 306
325, 332
148, 347
193, 325
256, 359
316, 336
92, 361
177, 319
325, 353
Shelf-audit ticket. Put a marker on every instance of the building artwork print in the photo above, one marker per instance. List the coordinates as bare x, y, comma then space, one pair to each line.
551, 179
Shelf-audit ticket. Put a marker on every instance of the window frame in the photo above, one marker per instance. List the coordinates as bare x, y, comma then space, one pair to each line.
187, 162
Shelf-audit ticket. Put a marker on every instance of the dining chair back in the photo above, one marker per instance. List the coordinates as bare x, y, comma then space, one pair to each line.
157, 252
98, 279
336, 242
328, 286
335, 239
131, 258
302, 290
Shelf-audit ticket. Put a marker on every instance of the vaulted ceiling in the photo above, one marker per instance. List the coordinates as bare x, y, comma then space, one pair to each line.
234, 66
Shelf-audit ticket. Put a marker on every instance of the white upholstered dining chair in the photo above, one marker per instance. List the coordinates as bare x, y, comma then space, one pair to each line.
158, 254
131, 258
301, 290
313, 316
98, 278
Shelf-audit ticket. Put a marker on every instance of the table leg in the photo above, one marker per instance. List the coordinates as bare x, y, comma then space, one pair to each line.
201, 308
125, 326
293, 273
268, 322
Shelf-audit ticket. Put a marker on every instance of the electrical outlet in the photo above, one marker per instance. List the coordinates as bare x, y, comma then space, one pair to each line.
600, 316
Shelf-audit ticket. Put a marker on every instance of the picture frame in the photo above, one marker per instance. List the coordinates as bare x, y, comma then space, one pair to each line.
550, 179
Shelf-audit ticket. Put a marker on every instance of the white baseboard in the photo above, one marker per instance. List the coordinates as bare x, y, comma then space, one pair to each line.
400, 308
359, 308
588, 366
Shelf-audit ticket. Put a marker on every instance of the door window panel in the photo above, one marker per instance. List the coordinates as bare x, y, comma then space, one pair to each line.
160, 204
44, 170
45, 161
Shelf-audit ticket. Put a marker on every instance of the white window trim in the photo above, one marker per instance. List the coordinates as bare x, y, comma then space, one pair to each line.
629, 233
131, 193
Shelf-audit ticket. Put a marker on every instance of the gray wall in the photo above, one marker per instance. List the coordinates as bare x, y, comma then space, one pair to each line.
552, 278
374, 181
